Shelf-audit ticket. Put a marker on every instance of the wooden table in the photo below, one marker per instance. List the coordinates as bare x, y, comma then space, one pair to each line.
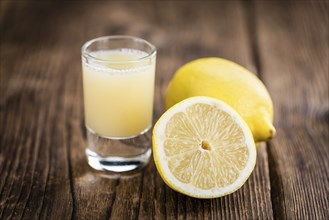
43, 169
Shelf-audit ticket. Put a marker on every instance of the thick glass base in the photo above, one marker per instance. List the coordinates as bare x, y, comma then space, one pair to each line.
118, 155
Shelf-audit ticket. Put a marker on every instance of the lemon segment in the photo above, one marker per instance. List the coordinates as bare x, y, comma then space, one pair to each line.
203, 148
229, 82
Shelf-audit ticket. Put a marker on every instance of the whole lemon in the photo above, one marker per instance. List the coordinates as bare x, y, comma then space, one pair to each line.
227, 81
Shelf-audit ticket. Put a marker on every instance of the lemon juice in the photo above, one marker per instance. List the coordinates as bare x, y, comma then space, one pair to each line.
118, 86
118, 95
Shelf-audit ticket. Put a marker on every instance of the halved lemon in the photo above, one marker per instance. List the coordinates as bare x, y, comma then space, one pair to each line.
203, 148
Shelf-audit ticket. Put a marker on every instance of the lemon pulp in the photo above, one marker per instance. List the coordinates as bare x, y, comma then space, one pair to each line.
203, 148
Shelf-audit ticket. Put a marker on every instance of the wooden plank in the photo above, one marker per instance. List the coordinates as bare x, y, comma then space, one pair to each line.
293, 50
44, 173
34, 164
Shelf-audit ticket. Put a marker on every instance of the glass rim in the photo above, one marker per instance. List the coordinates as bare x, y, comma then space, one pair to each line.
86, 54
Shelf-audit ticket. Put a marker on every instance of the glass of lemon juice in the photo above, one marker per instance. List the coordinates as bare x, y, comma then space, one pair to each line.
118, 89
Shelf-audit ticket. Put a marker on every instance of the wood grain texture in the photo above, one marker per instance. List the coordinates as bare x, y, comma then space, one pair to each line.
293, 51
43, 170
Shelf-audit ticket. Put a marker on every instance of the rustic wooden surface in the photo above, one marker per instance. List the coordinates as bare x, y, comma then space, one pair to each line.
43, 169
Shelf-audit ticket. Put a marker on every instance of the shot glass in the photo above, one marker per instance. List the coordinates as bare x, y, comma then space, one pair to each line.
118, 89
